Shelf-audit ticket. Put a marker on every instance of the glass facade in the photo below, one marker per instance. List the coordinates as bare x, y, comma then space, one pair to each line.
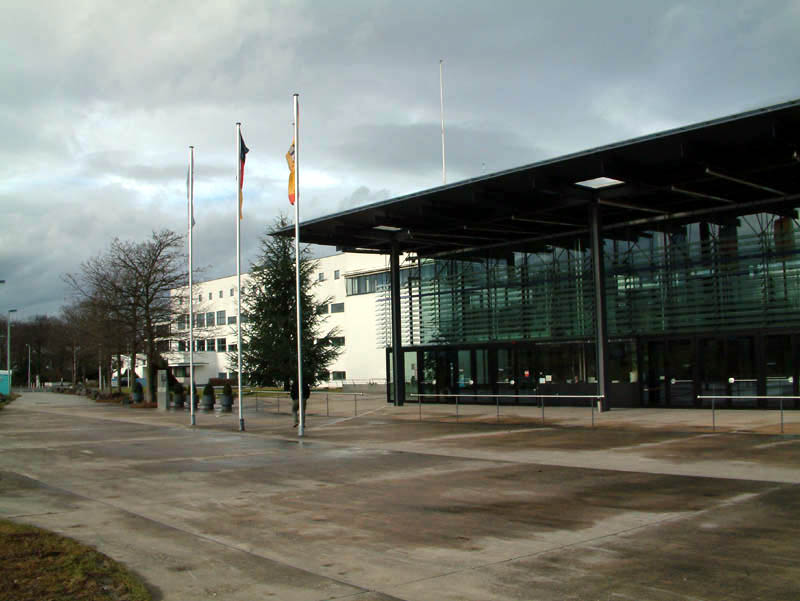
699, 309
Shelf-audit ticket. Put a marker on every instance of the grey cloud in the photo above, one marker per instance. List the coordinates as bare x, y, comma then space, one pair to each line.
92, 90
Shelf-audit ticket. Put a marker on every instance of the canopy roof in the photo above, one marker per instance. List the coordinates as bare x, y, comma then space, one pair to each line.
713, 171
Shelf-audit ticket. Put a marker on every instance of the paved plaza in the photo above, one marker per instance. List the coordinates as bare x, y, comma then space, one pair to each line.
416, 503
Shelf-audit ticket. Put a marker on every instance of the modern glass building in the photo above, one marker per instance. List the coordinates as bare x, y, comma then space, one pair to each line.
652, 272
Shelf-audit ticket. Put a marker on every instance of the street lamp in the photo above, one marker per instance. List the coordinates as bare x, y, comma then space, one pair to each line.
29, 365
8, 349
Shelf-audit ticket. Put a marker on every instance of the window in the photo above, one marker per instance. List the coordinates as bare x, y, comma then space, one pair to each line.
337, 307
162, 346
321, 276
367, 284
220, 293
336, 274
224, 376
221, 317
210, 296
231, 348
201, 345
182, 346
210, 319
242, 289
183, 321
199, 298
338, 375
200, 320
231, 294
245, 318
322, 309
232, 320
210, 345
180, 371
337, 341
162, 330
221, 345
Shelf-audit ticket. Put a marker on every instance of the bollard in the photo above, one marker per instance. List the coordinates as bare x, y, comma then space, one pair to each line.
355, 404
279, 403
419, 401
327, 406
591, 401
542, 403
781, 415
456, 409
497, 399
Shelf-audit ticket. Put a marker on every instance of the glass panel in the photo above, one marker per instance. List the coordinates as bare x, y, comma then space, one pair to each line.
483, 379
780, 368
742, 367
681, 367
505, 373
655, 389
714, 378
410, 359
465, 382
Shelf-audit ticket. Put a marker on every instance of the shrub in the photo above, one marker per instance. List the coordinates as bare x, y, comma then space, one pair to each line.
208, 391
227, 390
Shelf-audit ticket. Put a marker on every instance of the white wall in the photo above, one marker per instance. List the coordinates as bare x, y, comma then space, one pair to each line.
362, 359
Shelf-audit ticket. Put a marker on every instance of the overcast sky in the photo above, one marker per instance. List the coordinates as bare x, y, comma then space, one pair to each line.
99, 102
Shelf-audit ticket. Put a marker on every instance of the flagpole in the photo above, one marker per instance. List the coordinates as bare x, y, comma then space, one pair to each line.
441, 104
239, 271
191, 289
301, 400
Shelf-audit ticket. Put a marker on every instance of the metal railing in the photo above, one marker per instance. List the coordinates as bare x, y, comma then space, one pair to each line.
497, 398
279, 394
715, 397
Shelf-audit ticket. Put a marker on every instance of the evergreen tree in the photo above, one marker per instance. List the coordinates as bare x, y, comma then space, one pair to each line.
270, 355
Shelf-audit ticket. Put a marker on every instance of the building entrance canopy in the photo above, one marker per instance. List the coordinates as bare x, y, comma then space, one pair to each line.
716, 170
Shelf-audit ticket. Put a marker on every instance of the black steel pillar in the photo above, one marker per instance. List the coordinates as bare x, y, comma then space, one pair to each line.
397, 351
601, 325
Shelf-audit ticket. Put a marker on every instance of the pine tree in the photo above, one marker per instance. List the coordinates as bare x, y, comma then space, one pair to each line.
270, 355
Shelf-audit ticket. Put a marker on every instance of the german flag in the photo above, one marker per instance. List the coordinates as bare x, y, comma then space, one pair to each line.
290, 162
243, 150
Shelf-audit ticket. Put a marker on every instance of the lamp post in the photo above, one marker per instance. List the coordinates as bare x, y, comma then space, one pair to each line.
8, 349
29, 365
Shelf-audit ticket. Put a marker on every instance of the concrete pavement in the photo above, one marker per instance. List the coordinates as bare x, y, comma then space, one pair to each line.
381, 506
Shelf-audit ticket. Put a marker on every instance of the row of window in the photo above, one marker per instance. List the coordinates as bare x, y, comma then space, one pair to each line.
208, 320
367, 284
332, 308
208, 345
220, 294
321, 275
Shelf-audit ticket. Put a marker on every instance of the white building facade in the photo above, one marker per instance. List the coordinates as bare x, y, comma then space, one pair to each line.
354, 285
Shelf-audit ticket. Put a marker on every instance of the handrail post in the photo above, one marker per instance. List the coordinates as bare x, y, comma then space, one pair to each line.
355, 404
781, 415
713, 416
541, 400
591, 402
497, 400
456, 409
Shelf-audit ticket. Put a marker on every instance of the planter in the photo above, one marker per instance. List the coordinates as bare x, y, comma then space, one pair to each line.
176, 399
226, 403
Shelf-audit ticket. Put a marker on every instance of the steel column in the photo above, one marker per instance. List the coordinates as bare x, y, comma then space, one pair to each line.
397, 351
601, 326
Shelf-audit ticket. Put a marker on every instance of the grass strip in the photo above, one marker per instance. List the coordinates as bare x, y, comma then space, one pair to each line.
41, 565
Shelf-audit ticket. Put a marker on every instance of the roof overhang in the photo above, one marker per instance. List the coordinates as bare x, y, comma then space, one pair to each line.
713, 171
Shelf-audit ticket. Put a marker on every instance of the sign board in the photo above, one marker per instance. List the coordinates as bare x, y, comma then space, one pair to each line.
162, 391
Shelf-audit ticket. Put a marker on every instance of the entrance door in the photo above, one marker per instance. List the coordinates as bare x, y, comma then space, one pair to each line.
655, 389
